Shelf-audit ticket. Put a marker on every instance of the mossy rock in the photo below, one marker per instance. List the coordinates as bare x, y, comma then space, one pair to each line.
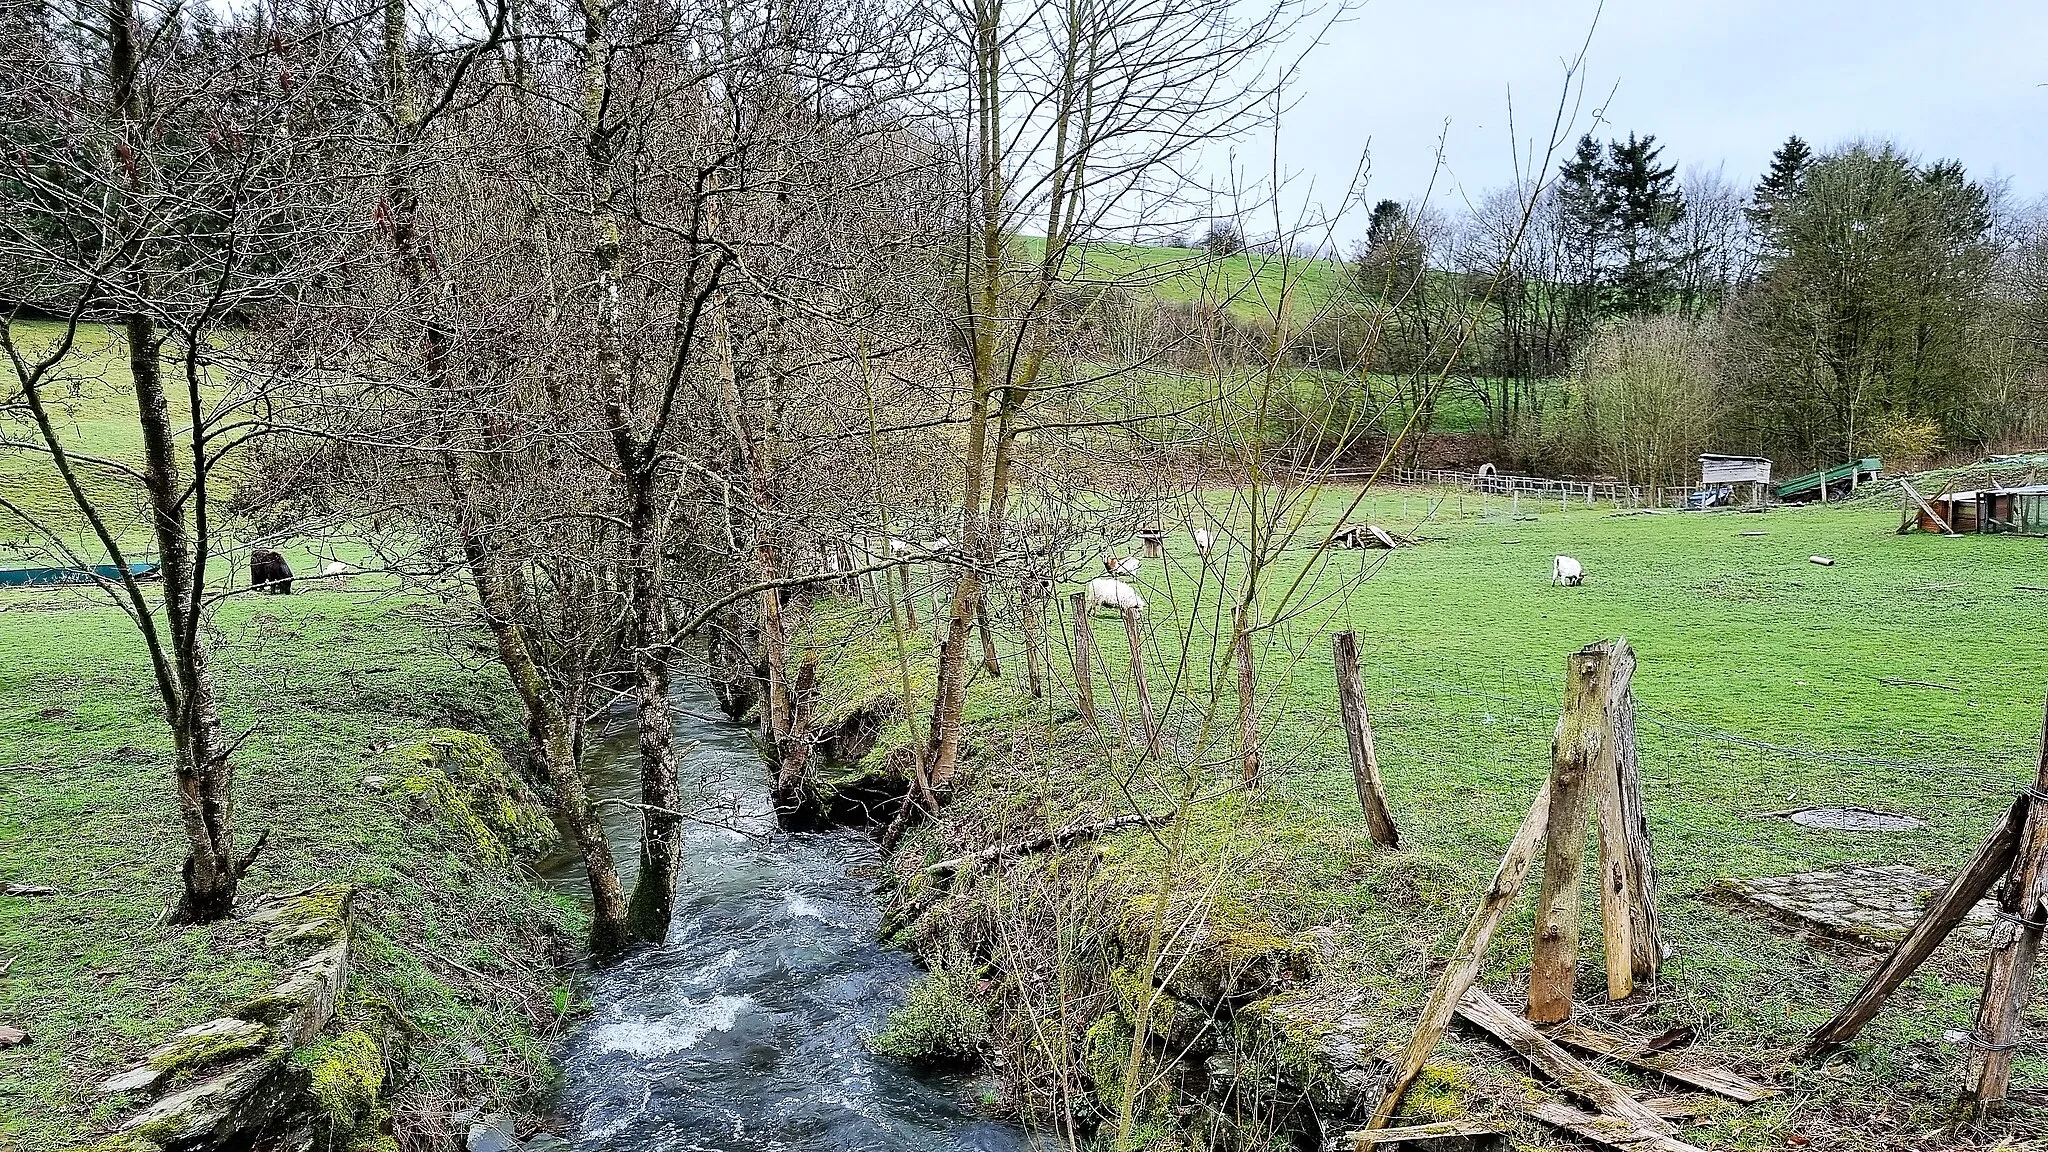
209, 1044
1437, 1094
462, 778
345, 1075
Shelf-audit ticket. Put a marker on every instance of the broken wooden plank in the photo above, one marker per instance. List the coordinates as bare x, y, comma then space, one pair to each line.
1611, 1131
1992, 858
1670, 1065
1571, 1074
1924, 507
1463, 968
1688, 1106
1439, 1130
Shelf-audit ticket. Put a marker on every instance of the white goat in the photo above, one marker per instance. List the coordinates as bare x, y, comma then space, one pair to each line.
1120, 565
1566, 572
1105, 592
1204, 541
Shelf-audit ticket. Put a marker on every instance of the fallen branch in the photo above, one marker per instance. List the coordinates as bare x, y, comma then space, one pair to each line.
1043, 841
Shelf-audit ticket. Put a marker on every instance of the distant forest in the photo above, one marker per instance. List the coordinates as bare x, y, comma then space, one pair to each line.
1854, 302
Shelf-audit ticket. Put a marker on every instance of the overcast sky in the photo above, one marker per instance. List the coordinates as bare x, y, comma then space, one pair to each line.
1717, 81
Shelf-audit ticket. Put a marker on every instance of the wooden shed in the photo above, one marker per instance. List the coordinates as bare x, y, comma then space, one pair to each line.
1720, 473
2021, 510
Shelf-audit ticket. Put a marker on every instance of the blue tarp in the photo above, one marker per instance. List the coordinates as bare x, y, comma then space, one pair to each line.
36, 577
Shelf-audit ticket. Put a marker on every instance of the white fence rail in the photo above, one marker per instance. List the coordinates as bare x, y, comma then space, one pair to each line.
1563, 493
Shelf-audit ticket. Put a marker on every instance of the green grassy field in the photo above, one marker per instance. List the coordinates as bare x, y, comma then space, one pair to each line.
92, 402
1256, 286
1761, 686
461, 953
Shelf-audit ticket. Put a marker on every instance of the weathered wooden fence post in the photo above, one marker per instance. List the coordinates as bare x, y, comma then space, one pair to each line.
1084, 638
1029, 619
1247, 687
1574, 755
1365, 764
909, 601
1138, 681
2015, 946
1632, 844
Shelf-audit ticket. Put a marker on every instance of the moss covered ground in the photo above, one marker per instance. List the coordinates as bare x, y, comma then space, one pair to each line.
1909, 677
458, 958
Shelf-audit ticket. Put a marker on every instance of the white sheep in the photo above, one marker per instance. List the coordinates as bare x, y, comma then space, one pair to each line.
1566, 572
337, 573
1120, 565
1107, 592
1204, 541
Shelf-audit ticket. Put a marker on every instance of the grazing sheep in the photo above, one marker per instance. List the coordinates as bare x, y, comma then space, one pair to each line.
1566, 572
1120, 565
898, 546
1105, 592
337, 573
1204, 541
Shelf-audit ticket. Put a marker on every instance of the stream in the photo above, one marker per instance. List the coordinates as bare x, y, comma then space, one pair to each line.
744, 1030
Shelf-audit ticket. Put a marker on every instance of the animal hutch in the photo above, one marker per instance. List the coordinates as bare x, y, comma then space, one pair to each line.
2020, 510
1720, 473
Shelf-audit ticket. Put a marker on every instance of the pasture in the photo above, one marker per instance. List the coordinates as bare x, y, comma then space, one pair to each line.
1908, 677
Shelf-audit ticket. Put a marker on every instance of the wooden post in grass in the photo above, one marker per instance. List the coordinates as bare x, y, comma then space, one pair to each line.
2015, 945
1365, 764
909, 601
1247, 688
1028, 609
1138, 681
1628, 881
1084, 638
1574, 763
1646, 938
1463, 968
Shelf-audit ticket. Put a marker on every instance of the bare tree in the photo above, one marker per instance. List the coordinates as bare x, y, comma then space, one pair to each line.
168, 191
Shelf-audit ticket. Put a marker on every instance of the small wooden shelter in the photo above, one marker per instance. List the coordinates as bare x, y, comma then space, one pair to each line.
2021, 510
1719, 470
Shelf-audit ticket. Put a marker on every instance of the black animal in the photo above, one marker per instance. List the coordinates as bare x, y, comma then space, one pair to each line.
268, 571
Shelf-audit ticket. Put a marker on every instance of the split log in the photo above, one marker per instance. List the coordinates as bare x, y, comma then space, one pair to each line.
1646, 941
1637, 1053
1463, 968
1991, 860
2015, 945
1611, 1131
1043, 841
1365, 763
1575, 751
1500, 1021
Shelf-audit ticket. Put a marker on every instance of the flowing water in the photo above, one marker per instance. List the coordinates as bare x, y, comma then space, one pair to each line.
744, 1031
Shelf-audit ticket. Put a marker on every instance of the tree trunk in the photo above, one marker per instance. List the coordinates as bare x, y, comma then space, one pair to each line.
661, 828
206, 779
547, 728
1247, 687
